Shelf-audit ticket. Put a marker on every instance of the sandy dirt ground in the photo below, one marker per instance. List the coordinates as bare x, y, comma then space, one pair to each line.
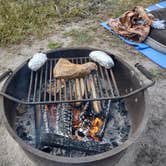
150, 148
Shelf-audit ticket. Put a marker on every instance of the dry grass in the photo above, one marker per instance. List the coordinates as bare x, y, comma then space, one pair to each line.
20, 19
117, 7
79, 36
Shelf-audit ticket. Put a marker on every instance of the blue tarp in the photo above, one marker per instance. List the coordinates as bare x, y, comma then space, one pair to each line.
154, 55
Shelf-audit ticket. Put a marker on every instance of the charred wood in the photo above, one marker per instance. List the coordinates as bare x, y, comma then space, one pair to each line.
54, 140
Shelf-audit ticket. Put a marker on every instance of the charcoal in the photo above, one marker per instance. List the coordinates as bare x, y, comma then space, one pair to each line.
46, 149
21, 109
119, 125
25, 127
114, 144
28, 123
21, 131
54, 140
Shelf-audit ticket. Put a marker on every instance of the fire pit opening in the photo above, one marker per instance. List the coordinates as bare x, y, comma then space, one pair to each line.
71, 131
78, 120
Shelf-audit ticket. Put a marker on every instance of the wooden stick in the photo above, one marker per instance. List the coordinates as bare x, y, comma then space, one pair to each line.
96, 104
82, 87
79, 90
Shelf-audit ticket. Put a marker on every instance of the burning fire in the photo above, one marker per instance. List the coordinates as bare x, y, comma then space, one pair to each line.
76, 118
46, 108
96, 126
93, 127
83, 127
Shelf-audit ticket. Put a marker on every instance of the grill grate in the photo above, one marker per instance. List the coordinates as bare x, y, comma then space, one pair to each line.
101, 85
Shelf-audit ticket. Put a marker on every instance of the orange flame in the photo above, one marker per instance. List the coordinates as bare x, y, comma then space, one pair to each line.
46, 108
96, 125
76, 119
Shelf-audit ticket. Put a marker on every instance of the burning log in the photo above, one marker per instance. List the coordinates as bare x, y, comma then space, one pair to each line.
106, 119
58, 141
57, 119
86, 106
63, 120
96, 127
76, 118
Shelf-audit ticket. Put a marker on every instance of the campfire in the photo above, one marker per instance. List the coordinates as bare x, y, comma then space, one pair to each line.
81, 127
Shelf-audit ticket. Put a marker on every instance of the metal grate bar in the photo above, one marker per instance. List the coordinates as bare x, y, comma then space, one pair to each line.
60, 91
55, 83
84, 82
74, 90
30, 86
103, 79
97, 79
35, 86
74, 81
40, 84
87, 82
45, 82
54, 91
70, 90
50, 79
65, 91
114, 83
109, 82
78, 85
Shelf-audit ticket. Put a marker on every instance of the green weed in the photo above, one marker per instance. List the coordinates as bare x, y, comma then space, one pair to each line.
54, 45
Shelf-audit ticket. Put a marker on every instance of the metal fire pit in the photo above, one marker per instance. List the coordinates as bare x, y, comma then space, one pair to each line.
127, 81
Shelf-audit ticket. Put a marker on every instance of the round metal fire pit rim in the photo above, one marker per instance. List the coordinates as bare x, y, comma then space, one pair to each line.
87, 159
132, 73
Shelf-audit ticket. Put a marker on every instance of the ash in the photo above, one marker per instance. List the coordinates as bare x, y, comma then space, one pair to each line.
116, 131
119, 125
25, 124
